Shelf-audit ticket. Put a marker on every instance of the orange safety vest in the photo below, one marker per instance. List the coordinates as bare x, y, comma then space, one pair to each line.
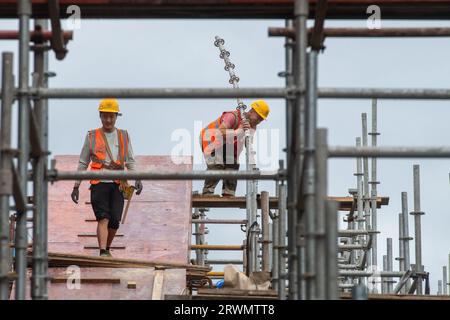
97, 148
208, 135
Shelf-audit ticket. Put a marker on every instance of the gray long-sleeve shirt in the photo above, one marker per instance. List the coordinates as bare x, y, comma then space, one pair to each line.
113, 142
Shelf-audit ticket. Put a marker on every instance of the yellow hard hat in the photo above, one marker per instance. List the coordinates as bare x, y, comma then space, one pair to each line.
109, 105
261, 107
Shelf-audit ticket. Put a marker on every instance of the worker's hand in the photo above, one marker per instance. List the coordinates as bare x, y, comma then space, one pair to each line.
75, 194
246, 125
138, 186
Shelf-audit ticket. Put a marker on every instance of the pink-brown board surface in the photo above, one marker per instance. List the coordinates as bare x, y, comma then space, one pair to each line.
157, 226
111, 283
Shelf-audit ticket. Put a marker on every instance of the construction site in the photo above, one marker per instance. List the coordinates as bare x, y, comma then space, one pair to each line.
293, 229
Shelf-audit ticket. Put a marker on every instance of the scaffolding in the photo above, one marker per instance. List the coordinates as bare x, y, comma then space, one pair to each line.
307, 261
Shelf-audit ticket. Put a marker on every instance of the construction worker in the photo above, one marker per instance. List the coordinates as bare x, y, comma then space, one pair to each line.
222, 141
107, 148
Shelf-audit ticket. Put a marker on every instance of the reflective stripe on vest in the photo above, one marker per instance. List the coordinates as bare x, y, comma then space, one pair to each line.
98, 151
208, 136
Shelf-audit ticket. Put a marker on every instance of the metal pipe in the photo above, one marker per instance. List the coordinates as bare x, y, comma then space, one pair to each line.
57, 42
56, 175
216, 247
275, 247
401, 255
6, 188
366, 274
366, 200
39, 260
265, 231
218, 261
365, 32
385, 268
382, 93
323, 223
359, 203
406, 235
282, 217
200, 260
24, 12
291, 153
417, 226
352, 233
218, 221
332, 252
34, 35
350, 247
389, 152
373, 183
444, 280
301, 11
160, 93
315, 280
389, 285
217, 93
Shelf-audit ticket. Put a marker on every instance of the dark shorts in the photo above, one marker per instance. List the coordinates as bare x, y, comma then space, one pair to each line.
107, 202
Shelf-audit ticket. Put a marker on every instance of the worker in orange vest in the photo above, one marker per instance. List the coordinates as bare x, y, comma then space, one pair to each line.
106, 148
223, 140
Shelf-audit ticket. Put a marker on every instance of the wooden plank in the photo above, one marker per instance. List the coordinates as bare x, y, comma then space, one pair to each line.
93, 234
158, 282
87, 280
199, 201
95, 246
63, 260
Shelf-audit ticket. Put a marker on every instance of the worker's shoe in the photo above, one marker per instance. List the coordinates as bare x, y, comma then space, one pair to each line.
227, 194
210, 194
105, 253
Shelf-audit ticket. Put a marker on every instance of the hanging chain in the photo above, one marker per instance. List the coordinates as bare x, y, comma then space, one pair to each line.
229, 66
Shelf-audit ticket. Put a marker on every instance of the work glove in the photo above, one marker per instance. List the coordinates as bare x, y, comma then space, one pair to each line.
75, 194
138, 186
246, 125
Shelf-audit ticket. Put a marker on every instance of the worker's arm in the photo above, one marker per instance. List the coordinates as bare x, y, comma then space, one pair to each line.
130, 163
85, 159
83, 164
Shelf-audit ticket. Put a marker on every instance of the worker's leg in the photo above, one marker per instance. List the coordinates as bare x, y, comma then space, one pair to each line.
102, 233
229, 185
116, 203
211, 183
100, 194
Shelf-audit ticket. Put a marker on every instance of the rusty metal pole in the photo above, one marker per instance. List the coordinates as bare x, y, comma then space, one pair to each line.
6, 187
301, 11
24, 12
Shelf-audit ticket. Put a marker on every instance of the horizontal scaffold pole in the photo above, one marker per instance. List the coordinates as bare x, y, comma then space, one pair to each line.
218, 93
55, 175
389, 152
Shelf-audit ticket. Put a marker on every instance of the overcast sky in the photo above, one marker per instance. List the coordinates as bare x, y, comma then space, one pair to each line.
171, 53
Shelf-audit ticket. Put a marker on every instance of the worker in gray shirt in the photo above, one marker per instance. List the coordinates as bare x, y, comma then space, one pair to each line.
106, 148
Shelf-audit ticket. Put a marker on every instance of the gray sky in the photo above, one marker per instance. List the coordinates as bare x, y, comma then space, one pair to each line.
170, 53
